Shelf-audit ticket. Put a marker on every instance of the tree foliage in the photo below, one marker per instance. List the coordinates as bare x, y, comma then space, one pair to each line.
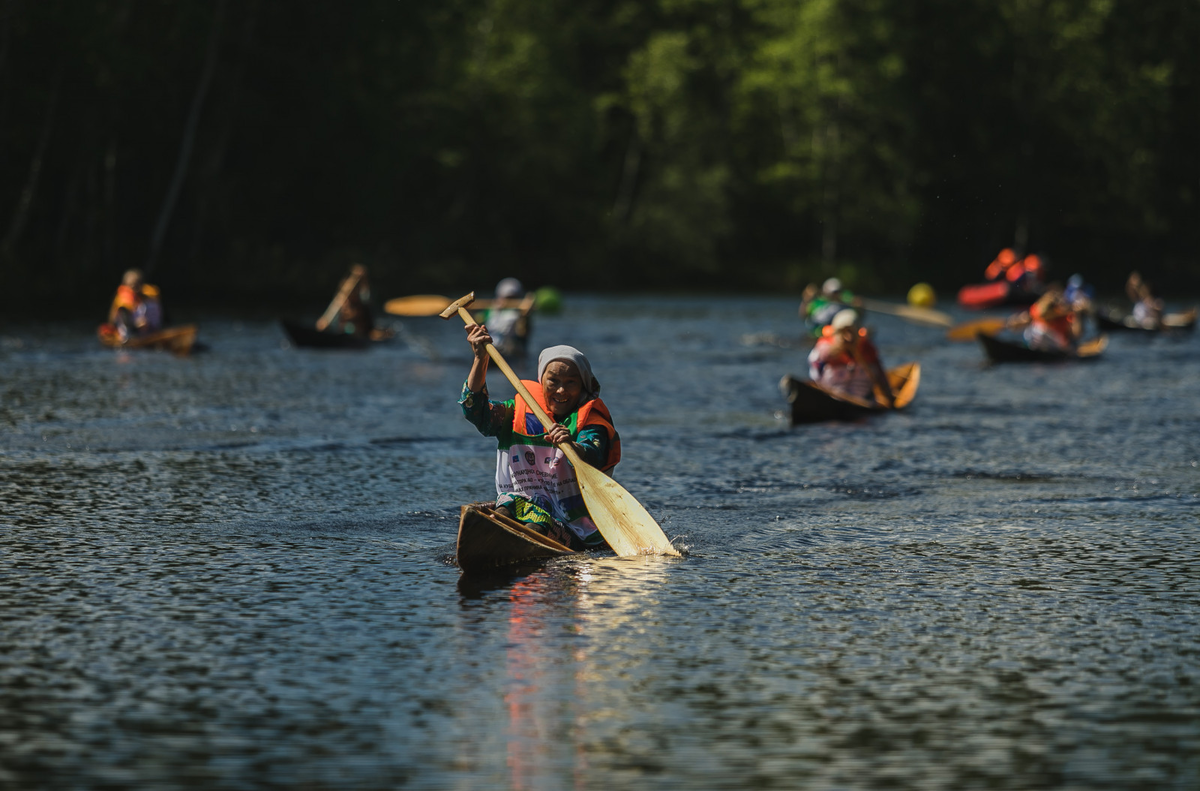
620, 144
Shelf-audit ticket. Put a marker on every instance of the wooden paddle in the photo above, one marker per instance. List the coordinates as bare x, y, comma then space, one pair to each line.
339, 299
418, 305
968, 331
434, 304
926, 316
622, 520
1093, 347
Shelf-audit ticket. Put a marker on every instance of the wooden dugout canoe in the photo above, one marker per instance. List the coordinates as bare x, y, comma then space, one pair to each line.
999, 350
812, 403
488, 541
1171, 322
177, 340
309, 337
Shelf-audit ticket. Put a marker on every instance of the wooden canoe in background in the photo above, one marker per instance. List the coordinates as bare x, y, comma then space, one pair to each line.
309, 337
488, 541
177, 340
1171, 322
812, 403
999, 350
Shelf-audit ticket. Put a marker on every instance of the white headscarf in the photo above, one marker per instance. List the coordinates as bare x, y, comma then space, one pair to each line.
569, 354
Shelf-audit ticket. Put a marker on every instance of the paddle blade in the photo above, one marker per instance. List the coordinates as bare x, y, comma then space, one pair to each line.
968, 331
419, 305
905, 380
622, 520
1093, 347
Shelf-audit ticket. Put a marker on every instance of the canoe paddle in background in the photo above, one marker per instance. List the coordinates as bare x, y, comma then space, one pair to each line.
621, 519
434, 304
968, 331
418, 305
339, 299
926, 316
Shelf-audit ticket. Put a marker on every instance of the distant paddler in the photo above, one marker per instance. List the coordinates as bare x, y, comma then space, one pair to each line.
534, 483
508, 317
136, 309
349, 312
1051, 323
818, 306
846, 361
1147, 309
135, 320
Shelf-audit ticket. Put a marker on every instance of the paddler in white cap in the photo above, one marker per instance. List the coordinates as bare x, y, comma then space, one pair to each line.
845, 360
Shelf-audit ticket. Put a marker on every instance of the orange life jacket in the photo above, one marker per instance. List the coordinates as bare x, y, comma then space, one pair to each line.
1030, 264
590, 413
867, 349
1060, 325
1000, 266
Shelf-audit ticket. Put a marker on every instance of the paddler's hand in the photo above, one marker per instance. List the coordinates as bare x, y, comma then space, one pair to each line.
479, 338
558, 434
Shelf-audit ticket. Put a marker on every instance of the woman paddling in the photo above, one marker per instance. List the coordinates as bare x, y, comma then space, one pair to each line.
534, 483
845, 360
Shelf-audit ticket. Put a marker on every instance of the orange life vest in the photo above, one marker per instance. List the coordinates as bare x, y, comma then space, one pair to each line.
1000, 266
1059, 326
1030, 264
590, 413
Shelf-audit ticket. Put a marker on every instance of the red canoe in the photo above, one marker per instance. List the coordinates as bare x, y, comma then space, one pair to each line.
994, 294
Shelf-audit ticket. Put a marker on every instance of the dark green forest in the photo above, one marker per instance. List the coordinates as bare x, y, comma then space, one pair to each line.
252, 150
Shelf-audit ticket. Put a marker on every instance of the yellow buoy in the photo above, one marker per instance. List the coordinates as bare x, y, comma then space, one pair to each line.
921, 296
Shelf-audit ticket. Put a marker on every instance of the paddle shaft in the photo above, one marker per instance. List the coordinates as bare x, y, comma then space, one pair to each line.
342, 295
546, 421
921, 315
968, 331
884, 387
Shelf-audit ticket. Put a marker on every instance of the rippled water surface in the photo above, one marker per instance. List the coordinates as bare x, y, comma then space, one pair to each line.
236, 570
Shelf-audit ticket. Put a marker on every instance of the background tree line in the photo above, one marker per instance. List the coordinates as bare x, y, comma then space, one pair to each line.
253, 149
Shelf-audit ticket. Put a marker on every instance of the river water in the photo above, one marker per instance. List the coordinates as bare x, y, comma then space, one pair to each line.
236, 570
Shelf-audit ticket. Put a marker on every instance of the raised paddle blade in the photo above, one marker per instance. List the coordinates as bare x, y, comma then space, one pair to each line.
621, 519
417, 305
968, 331
926, 316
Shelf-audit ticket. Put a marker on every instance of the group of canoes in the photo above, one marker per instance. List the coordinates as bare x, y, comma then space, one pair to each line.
846, 381
135, 319
557, 441
1056, 324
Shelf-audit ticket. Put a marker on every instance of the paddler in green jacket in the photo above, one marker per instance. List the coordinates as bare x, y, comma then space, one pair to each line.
534, 482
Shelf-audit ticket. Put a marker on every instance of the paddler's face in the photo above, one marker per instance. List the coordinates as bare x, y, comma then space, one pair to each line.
563, 387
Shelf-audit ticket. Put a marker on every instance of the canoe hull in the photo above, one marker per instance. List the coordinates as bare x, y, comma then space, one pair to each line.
177, 340
812, 403
1172, 322
999, 350
309, 337
488, 542
981, 296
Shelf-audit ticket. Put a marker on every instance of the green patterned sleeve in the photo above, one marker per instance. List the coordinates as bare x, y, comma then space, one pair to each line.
492, 418
594, 443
